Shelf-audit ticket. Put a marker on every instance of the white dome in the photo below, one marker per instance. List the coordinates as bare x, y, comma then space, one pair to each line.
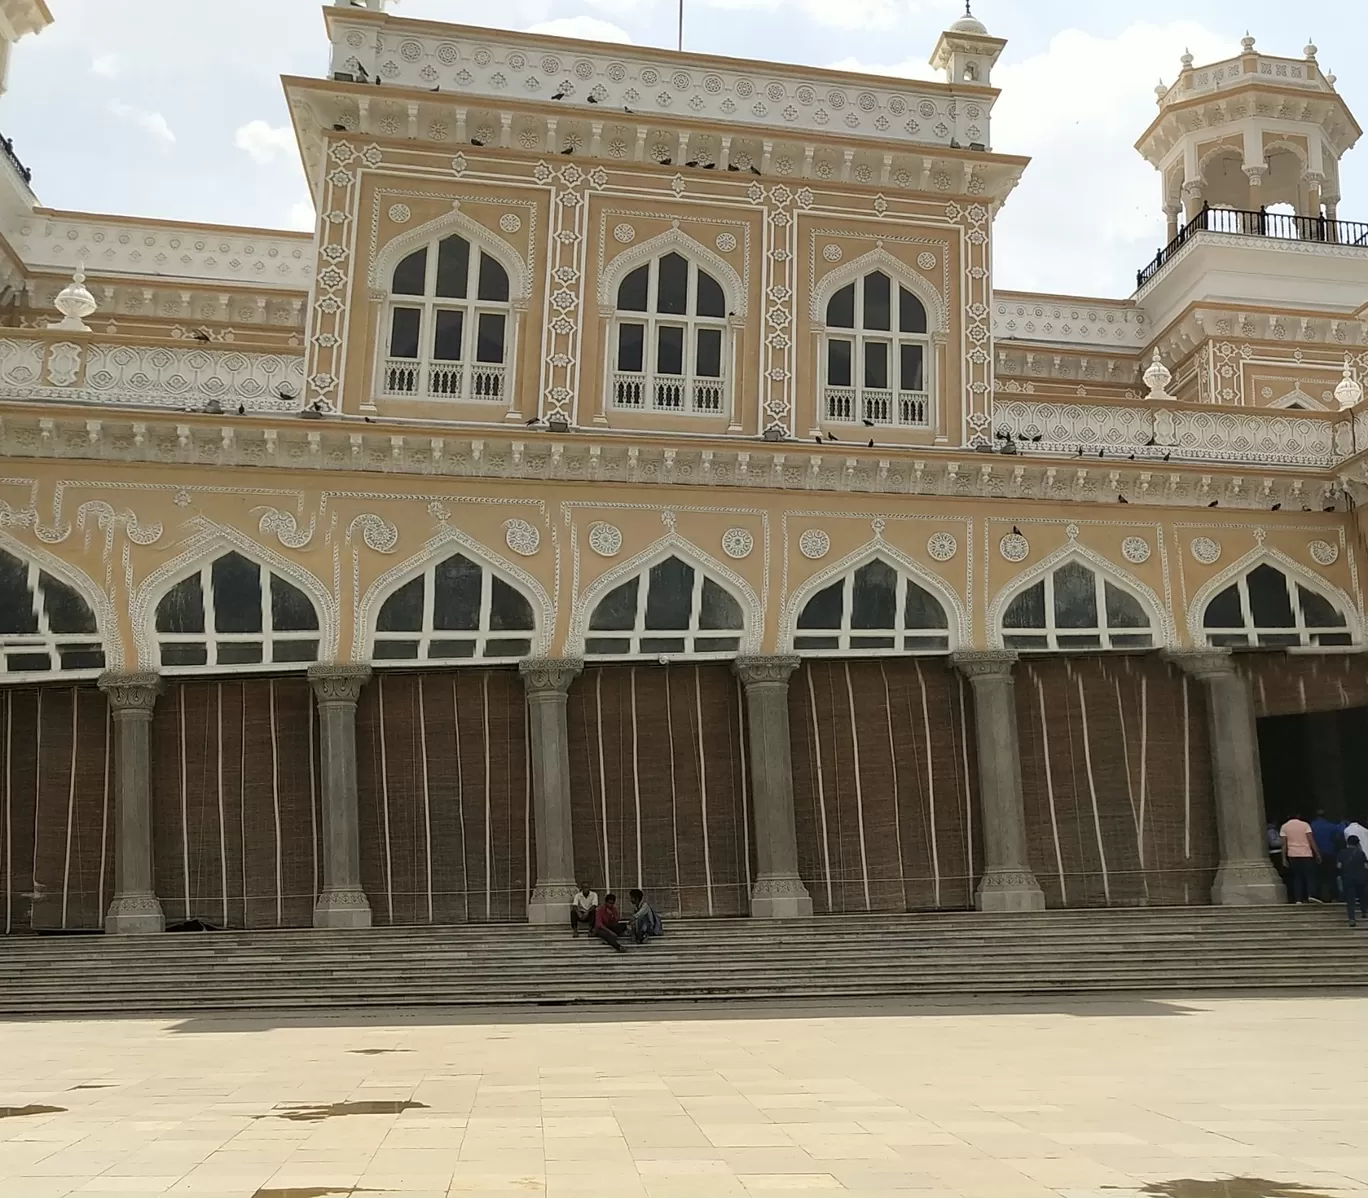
969, 24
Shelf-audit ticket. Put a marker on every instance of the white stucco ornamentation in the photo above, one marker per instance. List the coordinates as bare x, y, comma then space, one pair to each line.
522, 537
624, 234
726, 242
605, 539
737, 542
1205, 550
1323, 553
942, 546
1135, 549
814, 544
1014, 547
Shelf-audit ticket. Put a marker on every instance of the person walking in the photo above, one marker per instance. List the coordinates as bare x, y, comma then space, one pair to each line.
582, 909
1300, 856
1329, 838
1353, 877
1355, 828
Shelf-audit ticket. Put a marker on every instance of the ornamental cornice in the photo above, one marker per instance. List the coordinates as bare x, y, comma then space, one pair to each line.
587, 78
340, 445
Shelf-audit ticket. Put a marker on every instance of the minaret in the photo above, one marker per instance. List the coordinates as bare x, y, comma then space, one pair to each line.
17, 18
1248, 133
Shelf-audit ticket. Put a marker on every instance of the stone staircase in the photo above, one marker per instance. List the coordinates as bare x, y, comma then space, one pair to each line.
1171, 951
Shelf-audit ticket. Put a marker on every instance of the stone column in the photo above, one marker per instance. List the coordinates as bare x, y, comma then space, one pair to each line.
777, 892
343, 903
135, 908
547, 683
1008, 883
1245, 876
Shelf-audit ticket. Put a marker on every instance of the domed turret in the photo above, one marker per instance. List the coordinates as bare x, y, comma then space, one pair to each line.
966, 51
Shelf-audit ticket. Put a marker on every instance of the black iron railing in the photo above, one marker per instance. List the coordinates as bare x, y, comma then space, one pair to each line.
1280, 226
8, 146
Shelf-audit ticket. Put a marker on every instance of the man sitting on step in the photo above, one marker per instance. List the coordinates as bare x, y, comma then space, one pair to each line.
645, 921
608, 925
582, 908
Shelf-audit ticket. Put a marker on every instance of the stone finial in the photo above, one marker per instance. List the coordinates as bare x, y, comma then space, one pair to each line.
1160, 91
1186, 60
1310, 50
1348, 391
1157, 377
1246, 44
75, 303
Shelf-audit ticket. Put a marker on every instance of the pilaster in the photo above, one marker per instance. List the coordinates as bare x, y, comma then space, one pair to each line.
546, 681
343, 902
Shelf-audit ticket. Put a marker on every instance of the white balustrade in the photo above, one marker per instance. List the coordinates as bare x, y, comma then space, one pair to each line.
903, 409
668, 393
82, 370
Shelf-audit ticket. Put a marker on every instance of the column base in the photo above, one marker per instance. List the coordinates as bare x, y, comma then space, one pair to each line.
1247, 884
550, 904
134, 915
780, 898
342, 909
1014, 891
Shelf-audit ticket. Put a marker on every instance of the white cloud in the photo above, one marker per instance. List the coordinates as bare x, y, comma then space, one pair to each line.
1087, 214
589, 28
150, 122
303, 216
842, 14
912, 68
266, 142
105, 65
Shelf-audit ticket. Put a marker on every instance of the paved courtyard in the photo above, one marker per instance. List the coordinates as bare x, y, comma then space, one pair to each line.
1098, 1098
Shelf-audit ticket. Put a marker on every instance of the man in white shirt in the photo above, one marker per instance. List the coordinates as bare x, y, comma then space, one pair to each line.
582, 908
1355, 828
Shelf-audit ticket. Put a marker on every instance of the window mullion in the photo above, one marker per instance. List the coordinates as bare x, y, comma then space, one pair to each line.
267, 628
900, 608
486, 599
1246, 610
425, 634
1051, 632
847, 602
207, 606
639, 624
695, 608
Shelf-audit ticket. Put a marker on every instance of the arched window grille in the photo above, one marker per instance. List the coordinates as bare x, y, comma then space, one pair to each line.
454, 609
233, 612
671, 608
1268, 609
1075, 607
46, 627
877, 355
670, 339
448, 325
873, 609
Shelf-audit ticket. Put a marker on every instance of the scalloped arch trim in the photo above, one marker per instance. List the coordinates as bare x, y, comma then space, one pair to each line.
672, 239
880, 259
396, 250
957, 613
442, 546
1165, 632
106, 619
1260, 554
670, 545
210, 542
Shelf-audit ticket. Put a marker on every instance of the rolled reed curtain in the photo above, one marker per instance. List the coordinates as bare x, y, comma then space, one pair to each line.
445, 797
658, 783
1293, 683
236, 802
1116, 781
56, 808
884, 784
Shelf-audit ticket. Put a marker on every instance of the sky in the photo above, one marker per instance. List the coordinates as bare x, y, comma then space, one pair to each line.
174, 109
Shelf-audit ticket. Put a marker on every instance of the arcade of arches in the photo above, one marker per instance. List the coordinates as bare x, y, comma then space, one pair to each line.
865, 755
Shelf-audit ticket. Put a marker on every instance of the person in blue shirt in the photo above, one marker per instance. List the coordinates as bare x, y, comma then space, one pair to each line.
1329, 838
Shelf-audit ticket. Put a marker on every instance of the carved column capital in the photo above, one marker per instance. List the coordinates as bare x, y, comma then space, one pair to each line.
984, 663
338, 684
549, 675
772, 669
131, 693
1202, 664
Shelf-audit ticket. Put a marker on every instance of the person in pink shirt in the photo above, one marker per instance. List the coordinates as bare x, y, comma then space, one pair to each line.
1300, 860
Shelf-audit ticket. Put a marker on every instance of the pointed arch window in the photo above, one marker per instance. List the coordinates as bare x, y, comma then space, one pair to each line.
877, 355
1268, 609
454, 610
671, 608
671, 342
874, 608
1075, 608
46, 627
448, 325
234, 613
